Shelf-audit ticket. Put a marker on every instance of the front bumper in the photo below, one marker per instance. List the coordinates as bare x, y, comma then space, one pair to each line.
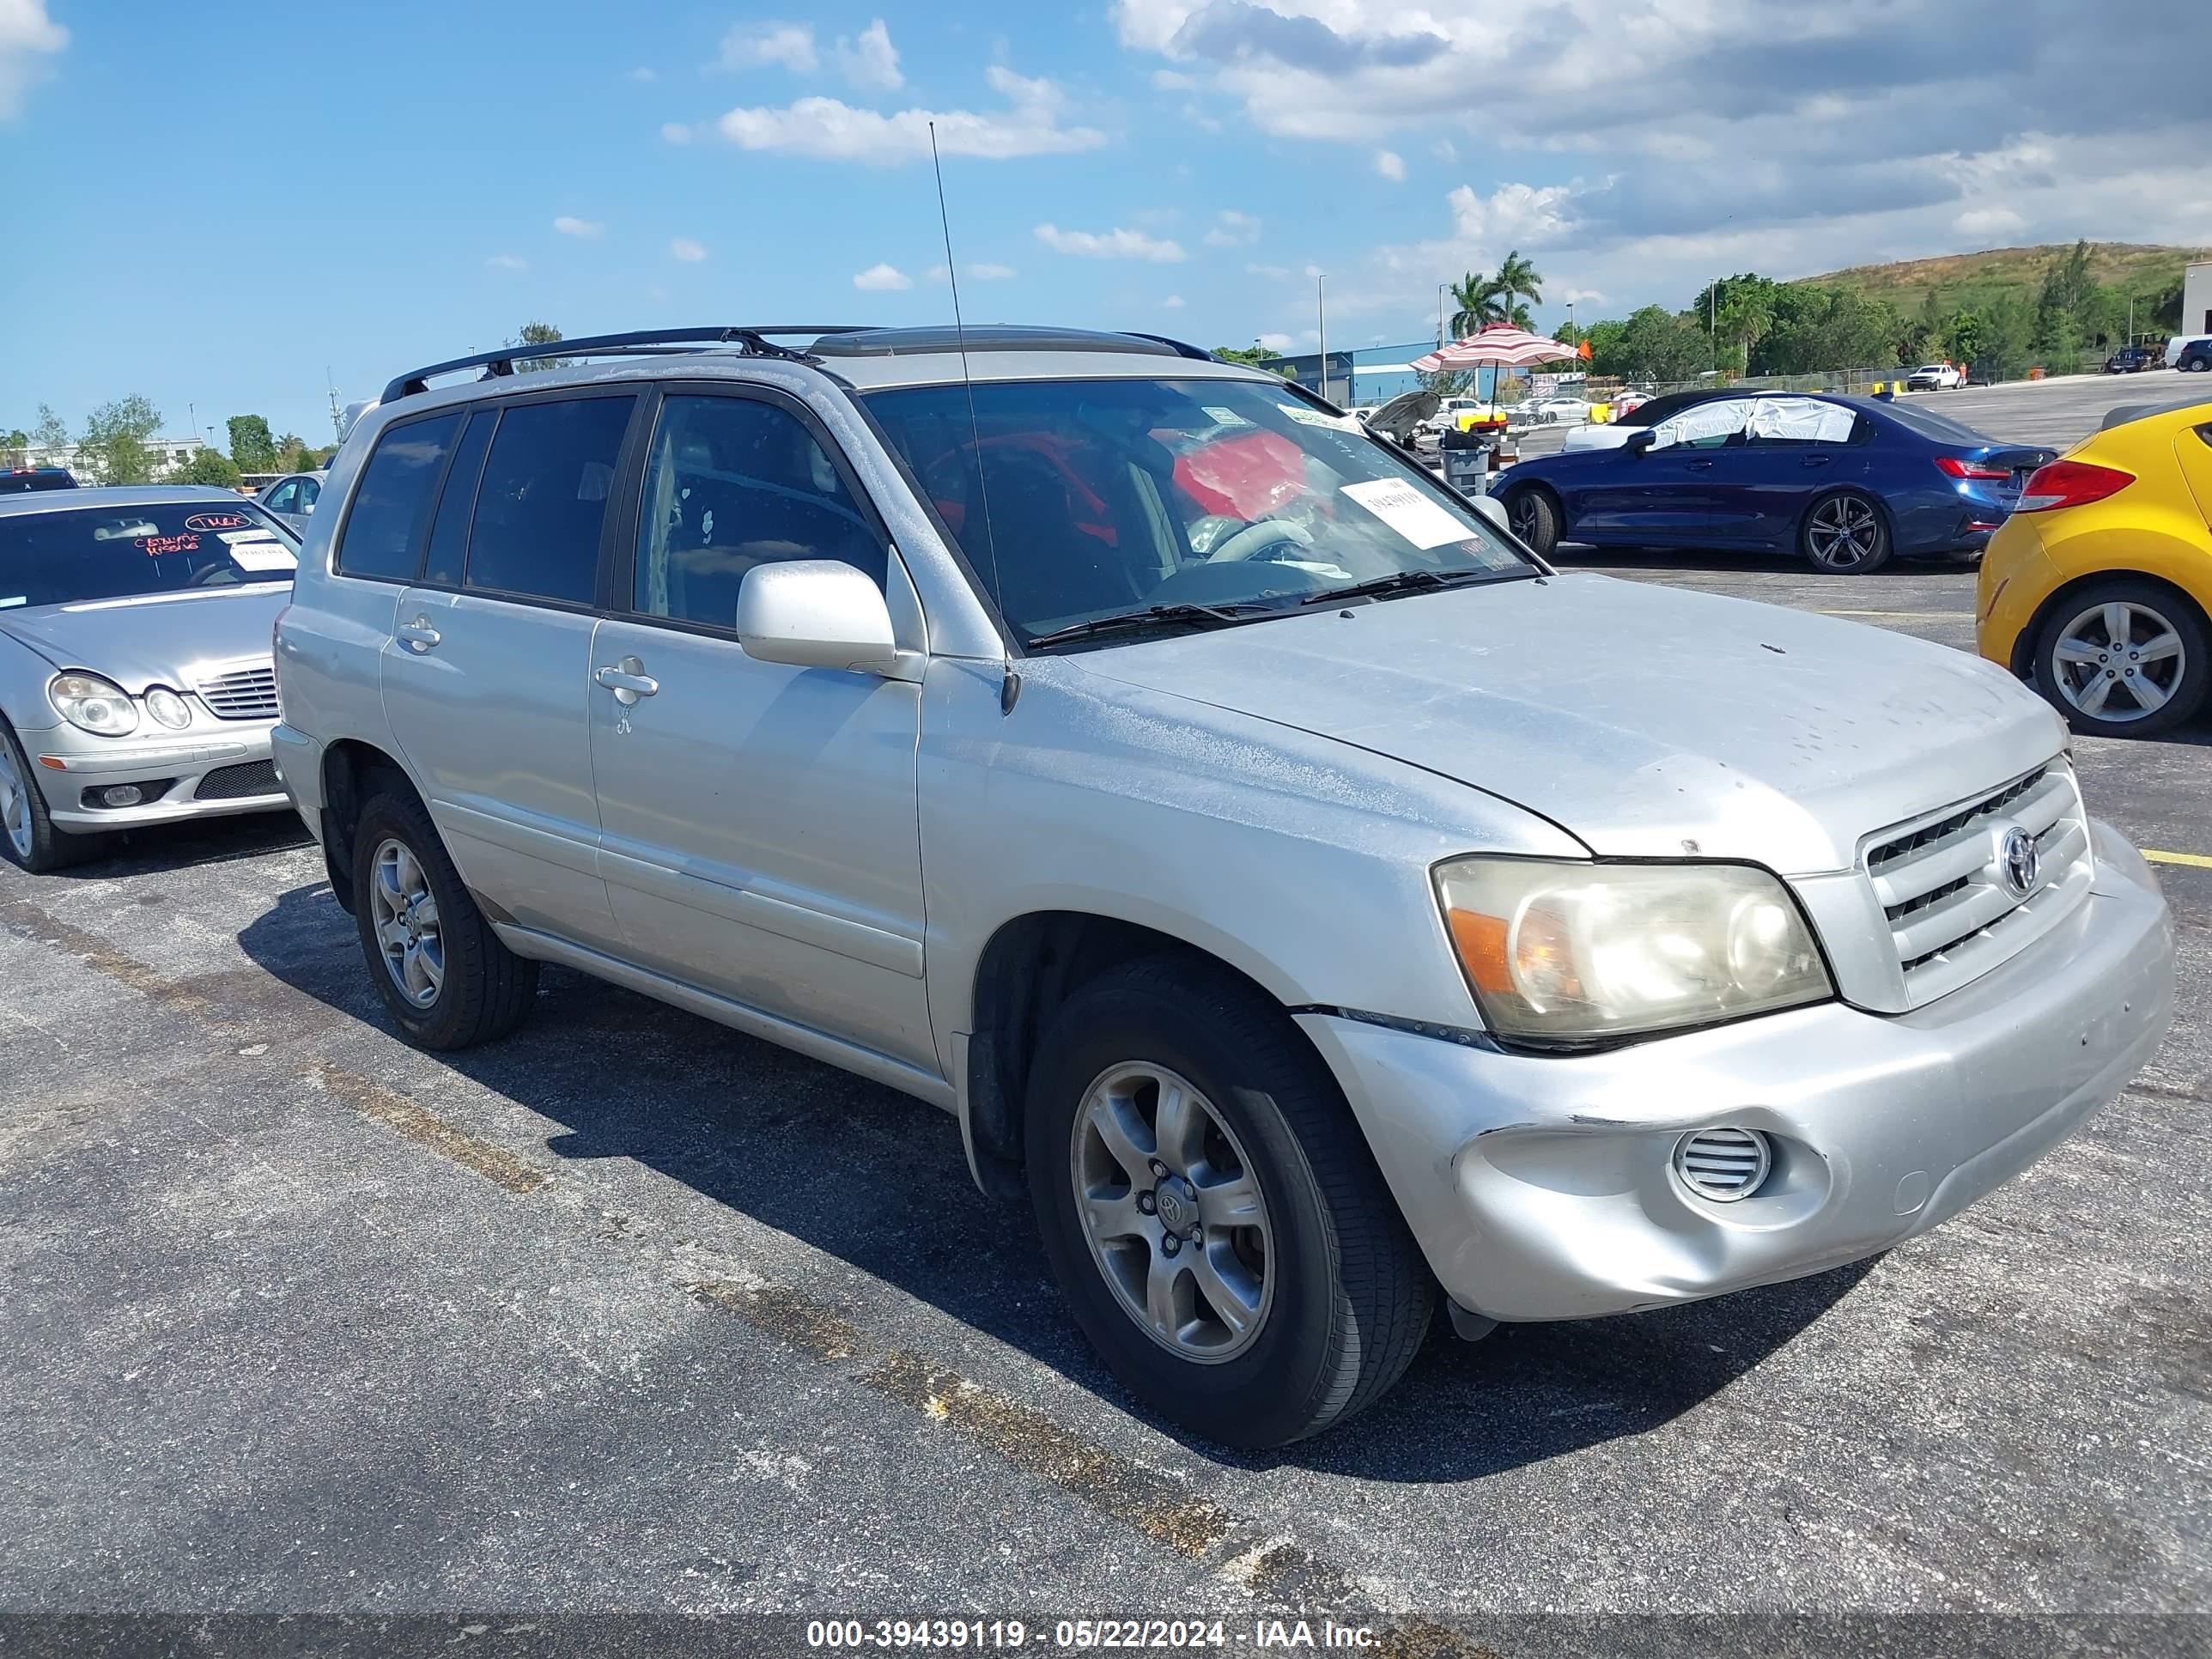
1543, 1188
229, 760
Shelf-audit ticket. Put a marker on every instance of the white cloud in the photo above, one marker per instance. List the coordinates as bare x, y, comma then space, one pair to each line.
1115, 244
1273, 273
981, 271
789, 45
1980, 224
829, 130
1173, 303
588, 229
640, 74
689, 251
870, 61
675, 132
28, 38
882, 278
1390, 165
1233, 229
507, 262
1274, 342
1512, 213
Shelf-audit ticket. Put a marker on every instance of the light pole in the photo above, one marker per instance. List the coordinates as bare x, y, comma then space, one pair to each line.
1442, 289
1320, 315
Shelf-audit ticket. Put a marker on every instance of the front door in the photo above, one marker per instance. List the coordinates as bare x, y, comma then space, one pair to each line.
487, 681
1671, 494
758, 822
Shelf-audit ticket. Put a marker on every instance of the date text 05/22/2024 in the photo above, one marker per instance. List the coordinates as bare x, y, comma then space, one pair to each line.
1085, 1634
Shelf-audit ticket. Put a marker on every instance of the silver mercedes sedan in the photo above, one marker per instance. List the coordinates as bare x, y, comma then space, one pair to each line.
135, 680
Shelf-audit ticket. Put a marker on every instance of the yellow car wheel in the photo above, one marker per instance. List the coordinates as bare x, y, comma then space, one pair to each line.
2126, 657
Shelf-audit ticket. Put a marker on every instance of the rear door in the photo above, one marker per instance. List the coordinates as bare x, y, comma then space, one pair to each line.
487, 675
761, 835
1797, 448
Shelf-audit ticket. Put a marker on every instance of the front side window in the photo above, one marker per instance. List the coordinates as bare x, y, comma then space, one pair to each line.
87, 554
383, 532
732, 483
286, 497
1705, 426
543, 498
1075, 501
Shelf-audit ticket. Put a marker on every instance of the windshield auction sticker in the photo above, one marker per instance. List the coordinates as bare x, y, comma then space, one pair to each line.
1408, 512
263, 555
217, 521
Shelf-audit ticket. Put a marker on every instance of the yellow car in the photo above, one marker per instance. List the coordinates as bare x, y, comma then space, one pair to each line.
2098, 588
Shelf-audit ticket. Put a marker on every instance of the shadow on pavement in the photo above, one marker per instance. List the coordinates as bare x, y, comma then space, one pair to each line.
878, 1181
169, 847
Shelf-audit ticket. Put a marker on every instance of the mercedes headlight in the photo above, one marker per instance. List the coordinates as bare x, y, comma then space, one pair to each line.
93, 704
166, 706
1574, 952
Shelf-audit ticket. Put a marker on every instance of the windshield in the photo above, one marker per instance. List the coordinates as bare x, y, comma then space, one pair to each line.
1106, 496
77, 553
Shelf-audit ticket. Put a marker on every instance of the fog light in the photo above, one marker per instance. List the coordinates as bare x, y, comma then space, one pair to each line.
121, 794
1723, 1165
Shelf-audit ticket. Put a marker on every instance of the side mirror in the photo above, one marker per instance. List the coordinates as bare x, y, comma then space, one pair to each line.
815, 613
1641, 441
1494, 511
307, 506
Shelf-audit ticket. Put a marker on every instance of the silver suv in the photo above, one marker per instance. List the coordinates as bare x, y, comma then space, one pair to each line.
1317, 905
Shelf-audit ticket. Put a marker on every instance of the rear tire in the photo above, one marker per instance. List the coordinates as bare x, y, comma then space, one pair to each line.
446, 979
2089, 684
29, 839
1334, 1296
1845, 534
1535, 520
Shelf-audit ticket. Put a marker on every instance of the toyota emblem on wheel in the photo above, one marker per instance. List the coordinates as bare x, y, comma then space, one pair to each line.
2019, 860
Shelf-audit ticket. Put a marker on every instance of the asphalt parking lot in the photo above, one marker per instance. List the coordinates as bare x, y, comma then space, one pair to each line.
632, 1312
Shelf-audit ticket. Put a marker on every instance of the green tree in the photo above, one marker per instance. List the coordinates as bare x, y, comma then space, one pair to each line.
1475, 305
1256, 356
538, 334
1816, 330
251, 446
209, 465
114, 440
52, 433
2065, 304
292, 455
1653, 344
1965, 337
14, 447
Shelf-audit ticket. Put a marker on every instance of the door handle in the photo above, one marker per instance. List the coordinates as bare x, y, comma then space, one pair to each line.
419, 634
1698, 466
1818, 460
628, 680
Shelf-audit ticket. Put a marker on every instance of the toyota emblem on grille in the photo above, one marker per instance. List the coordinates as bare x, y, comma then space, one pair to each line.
2019, 860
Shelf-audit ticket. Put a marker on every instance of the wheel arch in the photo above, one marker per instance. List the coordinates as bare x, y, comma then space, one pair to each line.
352, 771
1031, 964
1828, 493
2031, 634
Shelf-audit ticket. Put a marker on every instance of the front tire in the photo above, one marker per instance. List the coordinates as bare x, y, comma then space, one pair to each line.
1845, 535
2123, 658
1535, 520
446, 979
1265, 1287
29, 838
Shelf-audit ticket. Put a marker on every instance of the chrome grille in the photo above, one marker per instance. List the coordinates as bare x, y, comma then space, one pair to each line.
1942, 884
243, 694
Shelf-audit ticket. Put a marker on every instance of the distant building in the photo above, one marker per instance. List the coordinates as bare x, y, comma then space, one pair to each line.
171, 456
2196, 298
1373, 375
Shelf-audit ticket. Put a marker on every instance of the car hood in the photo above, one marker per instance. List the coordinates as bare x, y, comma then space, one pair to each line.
163, 638
1648, 722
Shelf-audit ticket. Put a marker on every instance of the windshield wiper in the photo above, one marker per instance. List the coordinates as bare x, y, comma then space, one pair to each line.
1403, 581
1157, 615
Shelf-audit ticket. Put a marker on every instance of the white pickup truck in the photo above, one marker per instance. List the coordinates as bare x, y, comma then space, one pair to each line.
1936, 377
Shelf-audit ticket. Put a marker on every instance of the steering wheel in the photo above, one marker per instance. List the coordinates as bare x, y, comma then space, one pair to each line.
1247, 542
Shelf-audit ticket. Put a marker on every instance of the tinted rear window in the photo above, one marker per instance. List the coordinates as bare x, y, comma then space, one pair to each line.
1940, 429
383, 534
122, 552
543, 498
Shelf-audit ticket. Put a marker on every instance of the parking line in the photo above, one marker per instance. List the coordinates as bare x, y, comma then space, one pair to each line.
2198, 860
1899, 615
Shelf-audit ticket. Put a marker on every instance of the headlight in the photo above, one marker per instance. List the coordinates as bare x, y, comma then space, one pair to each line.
1569, 952
166, 706
93, 704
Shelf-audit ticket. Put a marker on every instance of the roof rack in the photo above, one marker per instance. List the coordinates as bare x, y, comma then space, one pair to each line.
751, 342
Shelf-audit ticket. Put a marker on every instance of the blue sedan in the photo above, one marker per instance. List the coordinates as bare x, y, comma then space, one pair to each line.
1847, 483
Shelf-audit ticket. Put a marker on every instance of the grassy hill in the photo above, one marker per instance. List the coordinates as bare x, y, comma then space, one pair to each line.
1962, 279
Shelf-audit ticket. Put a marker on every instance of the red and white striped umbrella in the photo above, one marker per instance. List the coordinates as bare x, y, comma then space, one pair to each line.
1500, 345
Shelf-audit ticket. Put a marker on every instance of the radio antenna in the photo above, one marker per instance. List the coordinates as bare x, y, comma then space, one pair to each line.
968, 383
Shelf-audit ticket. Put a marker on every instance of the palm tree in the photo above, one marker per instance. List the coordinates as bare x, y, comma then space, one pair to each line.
1481, 301
1475, 303
1518, 279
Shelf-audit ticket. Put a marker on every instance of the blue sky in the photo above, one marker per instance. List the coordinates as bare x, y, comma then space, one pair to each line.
229, 203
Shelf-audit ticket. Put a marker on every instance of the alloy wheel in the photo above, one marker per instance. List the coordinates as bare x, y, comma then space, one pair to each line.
15, 803
2119, 662
1172, 1212
1844, 533
405, 914
1522, 515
